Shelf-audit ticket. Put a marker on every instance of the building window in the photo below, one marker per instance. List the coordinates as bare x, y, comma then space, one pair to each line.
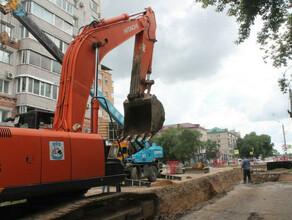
75, 22
63, 4
51, 18
4, 57
37, 87
4, 85
3, 115
7, 29
106, 82
100, 113
24, 33
31, 57
75, 3
55, 90
100, 87
59, 43
57, 68
48, 92
111, 134
106, 94
42, 13
94, 6
46, 63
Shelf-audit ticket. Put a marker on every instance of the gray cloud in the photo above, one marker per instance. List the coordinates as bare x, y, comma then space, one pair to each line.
188, 47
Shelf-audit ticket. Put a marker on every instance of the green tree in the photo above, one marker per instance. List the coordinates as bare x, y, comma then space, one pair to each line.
167, 139
187, 146
211, 149
260, 145
275, 36
179, 143
267, 145
276, 153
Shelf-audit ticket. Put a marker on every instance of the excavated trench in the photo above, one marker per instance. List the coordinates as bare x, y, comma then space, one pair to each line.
176, 199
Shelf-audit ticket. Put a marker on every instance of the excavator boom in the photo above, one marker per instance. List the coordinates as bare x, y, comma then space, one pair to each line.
78, 73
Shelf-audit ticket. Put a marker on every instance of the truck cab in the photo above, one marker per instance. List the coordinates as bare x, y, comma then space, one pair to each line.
35, 119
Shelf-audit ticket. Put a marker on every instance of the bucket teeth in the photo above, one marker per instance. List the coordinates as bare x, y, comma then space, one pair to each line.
134, 138
127, 138
148, 138
141, 137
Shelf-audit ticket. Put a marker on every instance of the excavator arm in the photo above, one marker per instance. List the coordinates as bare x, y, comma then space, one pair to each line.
144, 114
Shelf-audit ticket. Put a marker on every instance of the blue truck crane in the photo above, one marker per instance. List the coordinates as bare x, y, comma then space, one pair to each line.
141, 159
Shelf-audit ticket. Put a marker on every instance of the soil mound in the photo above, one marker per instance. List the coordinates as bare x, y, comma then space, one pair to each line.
179, 198
286, 178
164, 183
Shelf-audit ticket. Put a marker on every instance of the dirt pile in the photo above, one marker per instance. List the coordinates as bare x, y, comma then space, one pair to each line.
286, 177
177, 199
164, 183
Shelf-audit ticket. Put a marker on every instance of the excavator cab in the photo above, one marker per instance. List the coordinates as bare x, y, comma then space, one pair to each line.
144, 117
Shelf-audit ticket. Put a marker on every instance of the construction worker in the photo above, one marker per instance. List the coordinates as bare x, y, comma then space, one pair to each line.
245, 166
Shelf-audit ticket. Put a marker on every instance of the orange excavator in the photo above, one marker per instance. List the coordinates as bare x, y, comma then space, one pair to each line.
41, 162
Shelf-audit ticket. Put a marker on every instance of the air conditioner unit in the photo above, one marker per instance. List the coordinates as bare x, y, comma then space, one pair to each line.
9, 75
81, 4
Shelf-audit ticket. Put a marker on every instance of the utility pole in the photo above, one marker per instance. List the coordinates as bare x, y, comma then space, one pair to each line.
290, 98
284, 138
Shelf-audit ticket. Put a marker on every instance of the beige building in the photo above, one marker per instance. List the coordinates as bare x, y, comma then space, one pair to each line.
226, 141
29, 75
189, 126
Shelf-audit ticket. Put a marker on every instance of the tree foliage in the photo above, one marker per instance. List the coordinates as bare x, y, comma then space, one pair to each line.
211, 149
178, 143
275, 36
261, 145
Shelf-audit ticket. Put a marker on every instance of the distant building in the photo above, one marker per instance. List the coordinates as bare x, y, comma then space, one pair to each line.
226, 141
189, 126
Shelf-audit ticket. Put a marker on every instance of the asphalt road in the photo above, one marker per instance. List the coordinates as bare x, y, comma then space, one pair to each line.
267, 201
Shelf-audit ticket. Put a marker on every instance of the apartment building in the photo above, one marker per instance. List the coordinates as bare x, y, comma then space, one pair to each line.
29, 75
226, 141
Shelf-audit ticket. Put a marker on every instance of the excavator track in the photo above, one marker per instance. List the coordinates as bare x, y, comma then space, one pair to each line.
102, 206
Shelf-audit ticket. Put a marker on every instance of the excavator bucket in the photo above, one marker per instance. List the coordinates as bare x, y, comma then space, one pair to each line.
144, 117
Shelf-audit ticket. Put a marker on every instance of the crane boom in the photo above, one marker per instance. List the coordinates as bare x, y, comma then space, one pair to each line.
18, 12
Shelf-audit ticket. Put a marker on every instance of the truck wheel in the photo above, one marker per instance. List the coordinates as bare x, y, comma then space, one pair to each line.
134, 173
152, 174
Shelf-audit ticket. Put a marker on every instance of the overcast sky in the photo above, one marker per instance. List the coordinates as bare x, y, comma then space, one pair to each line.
201, 76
